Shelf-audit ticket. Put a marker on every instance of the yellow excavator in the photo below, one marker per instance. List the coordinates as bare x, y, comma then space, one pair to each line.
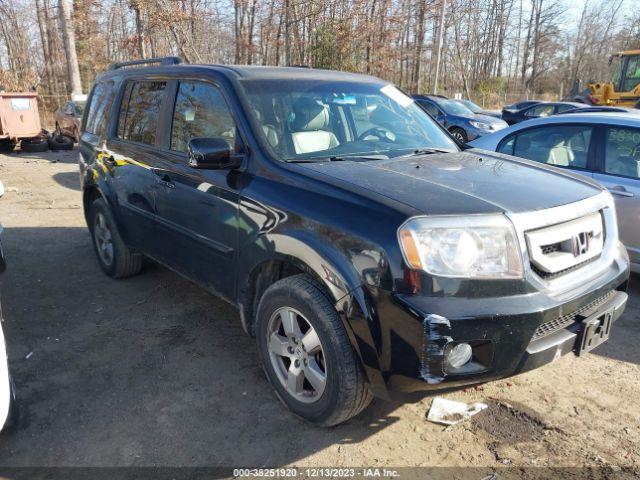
624, 88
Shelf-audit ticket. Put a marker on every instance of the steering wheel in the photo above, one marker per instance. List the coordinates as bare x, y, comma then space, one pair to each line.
378, 132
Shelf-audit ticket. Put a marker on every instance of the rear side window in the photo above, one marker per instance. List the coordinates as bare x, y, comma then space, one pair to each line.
430, 109
622, 152
100, 107
559, 145
140, 111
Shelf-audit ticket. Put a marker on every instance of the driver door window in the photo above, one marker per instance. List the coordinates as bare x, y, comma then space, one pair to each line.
540, 111
200, 111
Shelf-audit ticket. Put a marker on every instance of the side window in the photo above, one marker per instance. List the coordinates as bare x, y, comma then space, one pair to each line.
431, 109
200, 111
99, 109
140, 110
565, 108
559, 145
622, 152
540, 111
633, 74
507, 146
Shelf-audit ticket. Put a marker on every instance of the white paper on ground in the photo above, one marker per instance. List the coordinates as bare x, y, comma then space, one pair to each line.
450, 412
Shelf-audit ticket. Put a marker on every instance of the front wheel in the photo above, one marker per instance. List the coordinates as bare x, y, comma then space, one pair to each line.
306, 353
459, 134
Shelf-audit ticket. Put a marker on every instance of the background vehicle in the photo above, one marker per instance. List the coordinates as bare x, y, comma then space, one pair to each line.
623, 89
540, 109
68, 119
603, 146
478, 110
8, 408
20, 121
509, 110
595, 109
311, 200
453, 115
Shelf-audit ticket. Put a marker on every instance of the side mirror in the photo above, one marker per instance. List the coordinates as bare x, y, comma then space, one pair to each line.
211, 153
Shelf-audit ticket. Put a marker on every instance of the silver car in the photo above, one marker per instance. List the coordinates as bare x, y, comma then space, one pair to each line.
604, 146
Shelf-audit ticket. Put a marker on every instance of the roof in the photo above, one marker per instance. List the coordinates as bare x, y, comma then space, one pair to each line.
253, 72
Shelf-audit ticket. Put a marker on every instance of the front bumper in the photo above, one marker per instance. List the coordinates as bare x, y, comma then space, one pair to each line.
404, 354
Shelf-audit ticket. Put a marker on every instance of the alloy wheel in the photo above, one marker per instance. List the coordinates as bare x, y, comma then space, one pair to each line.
103, 239
297, 355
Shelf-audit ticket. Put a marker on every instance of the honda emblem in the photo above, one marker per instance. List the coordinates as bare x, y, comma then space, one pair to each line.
580, 244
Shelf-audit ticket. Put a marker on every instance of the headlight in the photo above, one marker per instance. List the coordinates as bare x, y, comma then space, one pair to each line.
480, 125
480, 246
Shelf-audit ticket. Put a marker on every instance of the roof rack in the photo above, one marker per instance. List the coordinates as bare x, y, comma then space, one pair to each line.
161, 60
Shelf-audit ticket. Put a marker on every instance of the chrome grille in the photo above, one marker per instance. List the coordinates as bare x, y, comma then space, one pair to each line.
564, 247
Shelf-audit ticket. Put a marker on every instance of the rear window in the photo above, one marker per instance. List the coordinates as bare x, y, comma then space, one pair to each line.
140, 110
98, 114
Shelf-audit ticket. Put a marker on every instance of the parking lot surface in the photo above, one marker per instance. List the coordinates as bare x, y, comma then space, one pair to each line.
153, 371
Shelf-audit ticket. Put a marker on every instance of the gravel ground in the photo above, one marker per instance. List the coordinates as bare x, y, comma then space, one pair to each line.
153, 371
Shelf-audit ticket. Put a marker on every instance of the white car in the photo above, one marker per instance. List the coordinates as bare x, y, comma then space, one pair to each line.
8, 410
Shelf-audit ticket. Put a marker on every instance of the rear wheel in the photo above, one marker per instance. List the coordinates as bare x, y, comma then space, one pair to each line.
7, 145
115, 258
37, 144
459, 134
60, 142
307, 355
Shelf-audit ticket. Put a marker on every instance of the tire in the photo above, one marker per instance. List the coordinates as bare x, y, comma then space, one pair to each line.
60, 142
6, 146
39, 144
11, 423
460, 135
114, 257
344, 393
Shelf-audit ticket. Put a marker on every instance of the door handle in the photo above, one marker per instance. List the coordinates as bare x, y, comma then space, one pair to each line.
164, 179
110, 160
620, 191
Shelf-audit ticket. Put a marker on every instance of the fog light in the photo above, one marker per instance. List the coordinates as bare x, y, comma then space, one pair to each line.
459, 355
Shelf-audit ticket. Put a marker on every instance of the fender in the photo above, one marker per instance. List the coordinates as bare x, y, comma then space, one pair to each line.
343, 280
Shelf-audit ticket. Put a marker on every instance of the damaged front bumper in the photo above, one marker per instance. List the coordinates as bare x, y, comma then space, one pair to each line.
412, 335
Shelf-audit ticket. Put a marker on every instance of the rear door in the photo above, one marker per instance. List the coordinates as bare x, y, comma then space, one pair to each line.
618, 169
130, 155
198, 209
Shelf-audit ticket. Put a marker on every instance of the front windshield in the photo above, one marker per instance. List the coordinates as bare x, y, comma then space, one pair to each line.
471, 106
79, 108
315, 119
454, 107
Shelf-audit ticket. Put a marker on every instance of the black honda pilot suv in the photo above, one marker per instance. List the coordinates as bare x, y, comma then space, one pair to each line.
366, 250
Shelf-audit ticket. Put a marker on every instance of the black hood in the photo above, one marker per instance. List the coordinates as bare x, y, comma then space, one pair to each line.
463, 183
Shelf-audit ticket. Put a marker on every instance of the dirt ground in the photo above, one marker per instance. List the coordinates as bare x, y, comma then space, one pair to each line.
153, 371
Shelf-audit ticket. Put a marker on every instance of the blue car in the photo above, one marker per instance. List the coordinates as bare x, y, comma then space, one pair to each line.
462, 123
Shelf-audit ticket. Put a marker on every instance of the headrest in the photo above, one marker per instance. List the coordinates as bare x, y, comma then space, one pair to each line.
523, 144
309, 115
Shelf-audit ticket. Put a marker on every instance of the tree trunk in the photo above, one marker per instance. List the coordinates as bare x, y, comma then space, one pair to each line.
69, 38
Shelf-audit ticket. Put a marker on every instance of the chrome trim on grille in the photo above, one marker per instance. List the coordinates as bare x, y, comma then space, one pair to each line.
528, 221
564, 245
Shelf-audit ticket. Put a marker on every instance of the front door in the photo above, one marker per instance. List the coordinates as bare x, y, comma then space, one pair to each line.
620, 173
198, 209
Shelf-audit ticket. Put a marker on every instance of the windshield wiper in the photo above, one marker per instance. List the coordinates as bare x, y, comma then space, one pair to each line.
338, 158
424, 151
